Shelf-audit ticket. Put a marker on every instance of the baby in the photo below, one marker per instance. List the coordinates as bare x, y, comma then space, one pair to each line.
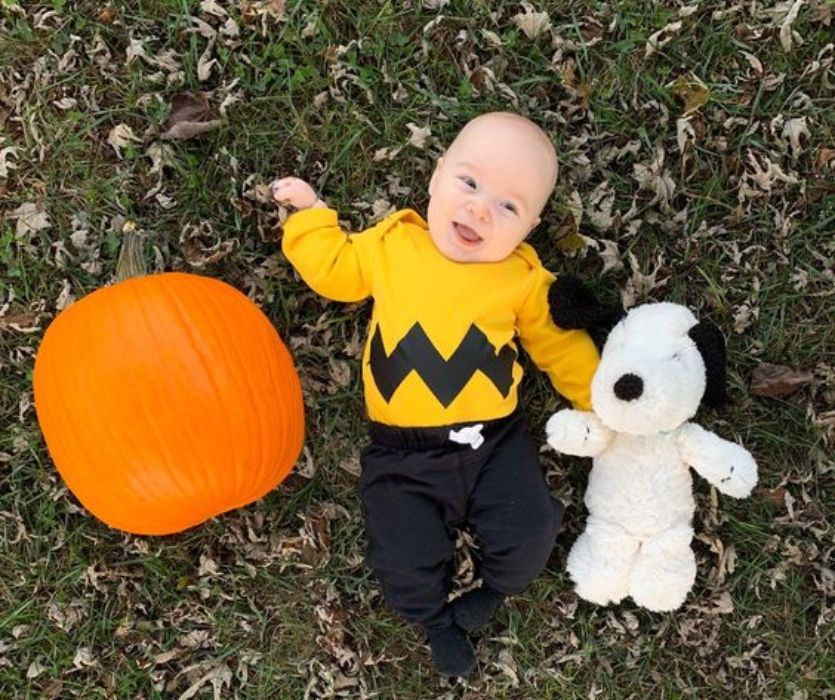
441, 371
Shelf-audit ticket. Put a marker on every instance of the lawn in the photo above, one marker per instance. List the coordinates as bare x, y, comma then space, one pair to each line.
697, 157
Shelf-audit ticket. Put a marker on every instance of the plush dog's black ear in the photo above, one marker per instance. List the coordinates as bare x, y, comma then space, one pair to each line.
574, 306
711, 345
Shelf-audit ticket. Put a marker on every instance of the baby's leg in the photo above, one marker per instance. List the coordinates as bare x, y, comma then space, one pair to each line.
410, 546
599, 561
513, 514
664, 570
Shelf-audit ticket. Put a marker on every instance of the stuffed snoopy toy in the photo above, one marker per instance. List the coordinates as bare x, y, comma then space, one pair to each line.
657, 365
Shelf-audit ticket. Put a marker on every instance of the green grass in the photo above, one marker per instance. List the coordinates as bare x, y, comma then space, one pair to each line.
136, 607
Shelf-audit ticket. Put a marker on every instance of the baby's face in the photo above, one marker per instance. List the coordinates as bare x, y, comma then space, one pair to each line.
486, 194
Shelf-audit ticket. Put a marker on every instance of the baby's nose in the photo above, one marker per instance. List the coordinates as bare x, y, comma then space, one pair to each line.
479, 210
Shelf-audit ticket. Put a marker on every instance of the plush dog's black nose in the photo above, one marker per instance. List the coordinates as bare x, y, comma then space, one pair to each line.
629, 387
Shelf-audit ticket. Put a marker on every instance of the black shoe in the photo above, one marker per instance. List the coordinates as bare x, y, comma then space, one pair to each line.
475, 608
452, 652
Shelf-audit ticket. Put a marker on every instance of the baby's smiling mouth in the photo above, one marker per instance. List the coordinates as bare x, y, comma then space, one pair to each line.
467, 234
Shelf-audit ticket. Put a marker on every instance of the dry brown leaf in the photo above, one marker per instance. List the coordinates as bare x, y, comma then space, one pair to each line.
793, 130
639, 285
754, 62
31, 218
786, 32
531, 22
821, 11
776, 496
262, 9
205, 62
211, 7
568, 237
777, 380
5, 165
662, 37
693, 92
201, 246
121, 136
24, 322
826, 156
189, 116
419, 135
652, 176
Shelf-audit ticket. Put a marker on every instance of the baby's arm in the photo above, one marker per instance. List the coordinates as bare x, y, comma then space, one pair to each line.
568, 357
577, 433
327, 258
726, 465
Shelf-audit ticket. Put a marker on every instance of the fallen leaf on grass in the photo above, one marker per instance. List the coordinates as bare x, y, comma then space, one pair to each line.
826, 156
793, 130
652, 176
35, 669
212, 8
419, 135
776, 496
661, 38
532, 23
263, 9
201, 246
693, 92
754, 62
121, 136
205, 62
189, 116
777, 380
31, 218
567, 234
821, 11
219, 676
786, 25
25, 322
107, 15
5, 165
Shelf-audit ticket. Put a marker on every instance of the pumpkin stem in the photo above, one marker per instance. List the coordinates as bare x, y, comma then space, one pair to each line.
131, 261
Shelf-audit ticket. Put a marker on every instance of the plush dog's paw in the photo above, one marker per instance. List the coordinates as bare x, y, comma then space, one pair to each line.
742, 474
577, 433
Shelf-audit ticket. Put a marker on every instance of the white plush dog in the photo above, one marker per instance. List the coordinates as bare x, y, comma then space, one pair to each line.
657, 365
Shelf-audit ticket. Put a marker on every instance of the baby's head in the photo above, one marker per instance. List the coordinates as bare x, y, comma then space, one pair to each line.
488, 190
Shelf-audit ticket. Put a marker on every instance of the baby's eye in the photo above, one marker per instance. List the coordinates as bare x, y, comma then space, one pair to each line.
468, 181
510, 207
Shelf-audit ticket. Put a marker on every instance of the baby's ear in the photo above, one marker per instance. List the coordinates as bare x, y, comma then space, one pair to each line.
535, 223
435, 175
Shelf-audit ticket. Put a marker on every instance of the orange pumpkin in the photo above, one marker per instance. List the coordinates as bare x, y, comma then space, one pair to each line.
167, 399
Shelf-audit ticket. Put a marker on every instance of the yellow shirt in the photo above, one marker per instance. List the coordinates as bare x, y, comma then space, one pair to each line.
441, 346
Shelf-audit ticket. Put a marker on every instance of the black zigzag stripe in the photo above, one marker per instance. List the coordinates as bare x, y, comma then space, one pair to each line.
445, 378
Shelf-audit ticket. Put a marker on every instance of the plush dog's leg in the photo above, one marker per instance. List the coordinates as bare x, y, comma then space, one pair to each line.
664, 570
599, 561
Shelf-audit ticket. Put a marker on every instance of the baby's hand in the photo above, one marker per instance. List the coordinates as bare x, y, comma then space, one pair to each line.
295, 192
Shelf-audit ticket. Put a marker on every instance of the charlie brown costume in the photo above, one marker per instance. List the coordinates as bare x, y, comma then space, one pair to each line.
440, 371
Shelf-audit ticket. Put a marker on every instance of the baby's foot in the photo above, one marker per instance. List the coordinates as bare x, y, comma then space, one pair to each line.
475, 608
452, 652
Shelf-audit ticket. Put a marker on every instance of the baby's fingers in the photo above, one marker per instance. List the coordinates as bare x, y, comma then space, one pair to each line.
280, 183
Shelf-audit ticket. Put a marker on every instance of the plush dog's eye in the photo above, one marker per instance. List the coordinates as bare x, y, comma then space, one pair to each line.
676, 357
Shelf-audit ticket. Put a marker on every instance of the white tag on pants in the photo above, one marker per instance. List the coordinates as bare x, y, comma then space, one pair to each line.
469, 435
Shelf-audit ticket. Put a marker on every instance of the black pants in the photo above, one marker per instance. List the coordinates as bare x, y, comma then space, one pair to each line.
417, 485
